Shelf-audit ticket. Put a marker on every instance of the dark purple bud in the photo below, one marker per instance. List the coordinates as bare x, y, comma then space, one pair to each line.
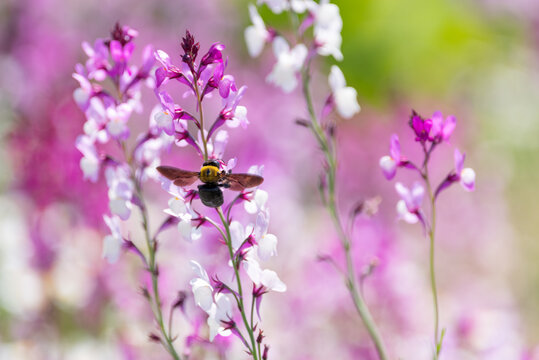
145, 293
303, 122
190, 49
213, 55
331, 130
265, 353
180, 300
258, 292
260, 336
154, 338
122, 34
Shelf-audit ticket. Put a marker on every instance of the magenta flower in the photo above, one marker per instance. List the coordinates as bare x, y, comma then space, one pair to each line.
420, 126
442, 129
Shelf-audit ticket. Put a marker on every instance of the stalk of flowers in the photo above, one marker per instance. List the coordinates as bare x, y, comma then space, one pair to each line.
429, 133
317, 31
230, 308
108, 148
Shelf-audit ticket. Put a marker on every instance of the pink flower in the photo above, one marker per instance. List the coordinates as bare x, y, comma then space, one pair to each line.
442, 130
389, 163
466, 176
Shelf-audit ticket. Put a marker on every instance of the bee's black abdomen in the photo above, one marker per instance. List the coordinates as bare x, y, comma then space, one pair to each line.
210, 195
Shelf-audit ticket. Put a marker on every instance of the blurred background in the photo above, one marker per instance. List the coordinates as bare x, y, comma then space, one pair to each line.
477, 60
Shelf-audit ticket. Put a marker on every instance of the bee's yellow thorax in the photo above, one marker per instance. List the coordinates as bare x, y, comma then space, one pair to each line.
209, 174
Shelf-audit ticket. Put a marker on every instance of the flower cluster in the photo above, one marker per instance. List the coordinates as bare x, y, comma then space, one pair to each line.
201, 80
224, 303
107, 124
325, 21
429, 133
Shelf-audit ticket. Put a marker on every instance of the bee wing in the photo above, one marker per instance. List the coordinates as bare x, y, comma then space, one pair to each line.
238, 182
178, 176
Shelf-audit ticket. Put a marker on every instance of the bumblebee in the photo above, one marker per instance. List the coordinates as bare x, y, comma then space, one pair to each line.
213, 180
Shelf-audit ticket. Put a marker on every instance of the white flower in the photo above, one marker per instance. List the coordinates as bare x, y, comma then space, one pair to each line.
268, 278
267, 243
404, 214
256, 35
240, 118
257, 203
117, 120
180, 209
120, 191
89, 163
299, 6
237, 234
219, 144
289, 61
112, 244
221, 310
327, 30
345, 96
202, 290
276, 6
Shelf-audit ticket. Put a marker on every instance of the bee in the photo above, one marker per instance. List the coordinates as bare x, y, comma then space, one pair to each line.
213, 180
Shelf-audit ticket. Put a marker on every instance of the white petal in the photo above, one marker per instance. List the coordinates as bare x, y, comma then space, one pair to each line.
346, 102
224, 307
336, 78
280, 46
177, 206
388, 165
112, 247
237, 234
267, 246
163, 118
404, 214
253, 270
271, 280
185, 229
203, 293
467, 178
120, 207
255, 38
199, 270
261, 198
90, 168
299, 54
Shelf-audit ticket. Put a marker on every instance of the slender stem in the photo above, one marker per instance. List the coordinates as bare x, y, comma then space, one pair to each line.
432, 272
155, 300
241, 305
331, 204
201, 117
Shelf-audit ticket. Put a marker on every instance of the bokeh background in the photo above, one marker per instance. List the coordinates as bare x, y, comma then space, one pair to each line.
478, 60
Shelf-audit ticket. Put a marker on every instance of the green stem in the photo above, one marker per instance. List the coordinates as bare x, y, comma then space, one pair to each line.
201, 118
331, 205
155, 300
431, 232
241, 305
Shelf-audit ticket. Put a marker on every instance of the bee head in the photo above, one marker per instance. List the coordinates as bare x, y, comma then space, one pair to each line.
212, 163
